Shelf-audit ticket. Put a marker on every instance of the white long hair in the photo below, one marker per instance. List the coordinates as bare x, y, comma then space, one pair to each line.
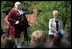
16, 5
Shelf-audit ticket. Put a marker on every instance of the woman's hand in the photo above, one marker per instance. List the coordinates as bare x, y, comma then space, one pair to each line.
56, 31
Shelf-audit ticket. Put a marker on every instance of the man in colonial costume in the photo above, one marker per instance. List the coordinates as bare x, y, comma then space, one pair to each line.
14, 19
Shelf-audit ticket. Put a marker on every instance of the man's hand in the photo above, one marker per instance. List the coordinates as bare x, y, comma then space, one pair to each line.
17, 22
28, 28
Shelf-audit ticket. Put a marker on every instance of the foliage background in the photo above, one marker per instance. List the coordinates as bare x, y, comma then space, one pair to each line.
45, 12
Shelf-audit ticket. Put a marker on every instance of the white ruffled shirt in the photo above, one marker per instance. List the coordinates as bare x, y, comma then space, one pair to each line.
21, 12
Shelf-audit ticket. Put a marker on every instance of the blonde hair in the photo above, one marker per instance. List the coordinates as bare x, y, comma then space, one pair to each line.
38, 35
55, 11
16, 5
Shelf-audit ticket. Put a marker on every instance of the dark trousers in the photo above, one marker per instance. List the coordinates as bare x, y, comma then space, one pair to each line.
25, 35
51, 37
58, 39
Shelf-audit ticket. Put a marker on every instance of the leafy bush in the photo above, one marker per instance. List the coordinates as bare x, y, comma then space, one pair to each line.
46, 8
